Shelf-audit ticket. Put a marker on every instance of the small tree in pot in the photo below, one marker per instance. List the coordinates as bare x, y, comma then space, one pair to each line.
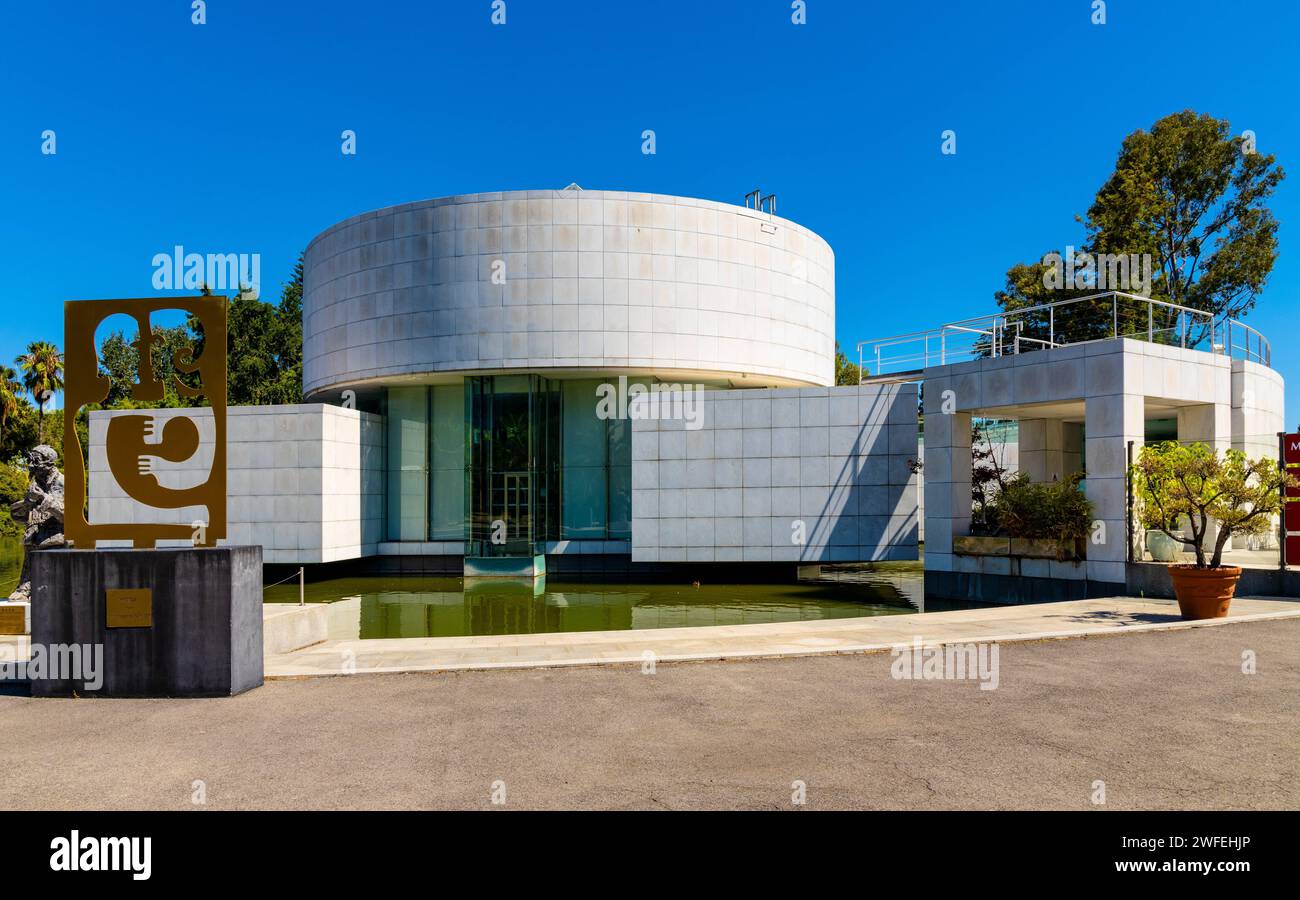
1175, 482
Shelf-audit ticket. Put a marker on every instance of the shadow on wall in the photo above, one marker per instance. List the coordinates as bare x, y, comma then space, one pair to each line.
857, 512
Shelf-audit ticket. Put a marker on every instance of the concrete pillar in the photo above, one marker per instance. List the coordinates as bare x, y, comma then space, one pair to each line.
1041, 449
947, 479
1111, 421
184, 622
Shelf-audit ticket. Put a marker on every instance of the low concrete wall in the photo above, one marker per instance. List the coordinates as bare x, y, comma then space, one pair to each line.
1152, 580
206, 636
287, 627
1011, 590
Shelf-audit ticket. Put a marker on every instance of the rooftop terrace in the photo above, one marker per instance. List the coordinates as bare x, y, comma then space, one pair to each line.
1096, 317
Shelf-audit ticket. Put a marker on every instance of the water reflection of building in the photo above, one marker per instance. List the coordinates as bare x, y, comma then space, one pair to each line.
492, 608
509, 608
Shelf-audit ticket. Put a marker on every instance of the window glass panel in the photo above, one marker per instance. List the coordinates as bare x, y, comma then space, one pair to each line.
447, 441
408, 443
620, 503
584, 508
584, 502
620, 479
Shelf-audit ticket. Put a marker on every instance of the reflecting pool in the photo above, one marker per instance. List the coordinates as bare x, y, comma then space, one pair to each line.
411, 606
400, 607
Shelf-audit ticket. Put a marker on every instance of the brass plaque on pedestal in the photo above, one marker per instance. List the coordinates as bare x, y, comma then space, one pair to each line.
130, 608
13, 619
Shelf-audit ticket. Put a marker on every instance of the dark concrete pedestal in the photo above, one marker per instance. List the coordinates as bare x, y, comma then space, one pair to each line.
206, 635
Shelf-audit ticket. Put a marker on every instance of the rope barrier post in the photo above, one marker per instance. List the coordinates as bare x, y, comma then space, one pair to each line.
302, 589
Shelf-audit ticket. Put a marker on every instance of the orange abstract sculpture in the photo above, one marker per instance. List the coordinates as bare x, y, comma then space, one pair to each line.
130, 438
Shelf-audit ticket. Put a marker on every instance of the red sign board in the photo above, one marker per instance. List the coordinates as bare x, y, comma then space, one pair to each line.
1291, 449
1291, 513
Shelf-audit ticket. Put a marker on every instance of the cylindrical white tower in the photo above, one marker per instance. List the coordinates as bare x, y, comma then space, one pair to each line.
568, 282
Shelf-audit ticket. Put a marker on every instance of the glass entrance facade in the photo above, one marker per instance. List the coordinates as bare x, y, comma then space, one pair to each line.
506, 463
512, 476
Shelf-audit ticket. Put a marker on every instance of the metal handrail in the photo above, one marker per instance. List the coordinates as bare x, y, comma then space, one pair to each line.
995, 328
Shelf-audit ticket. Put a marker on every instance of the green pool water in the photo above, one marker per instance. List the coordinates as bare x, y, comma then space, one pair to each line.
443, 607
408, 606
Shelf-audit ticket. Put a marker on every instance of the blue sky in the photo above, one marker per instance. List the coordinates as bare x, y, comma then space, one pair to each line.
225, 137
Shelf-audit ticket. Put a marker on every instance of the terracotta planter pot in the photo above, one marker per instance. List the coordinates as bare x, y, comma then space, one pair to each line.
1204, 593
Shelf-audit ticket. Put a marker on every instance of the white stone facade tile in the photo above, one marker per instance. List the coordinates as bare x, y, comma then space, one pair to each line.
787, 485
304, 481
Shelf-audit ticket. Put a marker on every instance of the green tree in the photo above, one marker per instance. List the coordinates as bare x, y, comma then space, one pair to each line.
13, 487
18, 425
289, 315
1026, 287
119, 360
264, 346
845, 372
1176, 483
10, 396
1194, 197
42, 368
19, 433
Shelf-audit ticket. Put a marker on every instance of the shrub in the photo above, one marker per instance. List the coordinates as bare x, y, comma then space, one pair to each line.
1054, 511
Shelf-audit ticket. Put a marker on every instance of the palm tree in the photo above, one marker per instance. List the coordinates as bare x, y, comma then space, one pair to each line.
42, 367
10, 387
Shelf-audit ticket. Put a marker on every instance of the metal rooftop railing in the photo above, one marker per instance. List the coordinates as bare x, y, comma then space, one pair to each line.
1096, 317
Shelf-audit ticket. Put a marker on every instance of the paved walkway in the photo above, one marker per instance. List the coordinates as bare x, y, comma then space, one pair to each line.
1001, 624
1167, 720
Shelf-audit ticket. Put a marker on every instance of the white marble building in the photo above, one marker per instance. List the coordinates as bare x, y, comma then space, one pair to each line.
474, 334
1108, 391
471, 337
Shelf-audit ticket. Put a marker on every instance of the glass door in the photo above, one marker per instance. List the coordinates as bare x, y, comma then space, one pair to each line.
510, 472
